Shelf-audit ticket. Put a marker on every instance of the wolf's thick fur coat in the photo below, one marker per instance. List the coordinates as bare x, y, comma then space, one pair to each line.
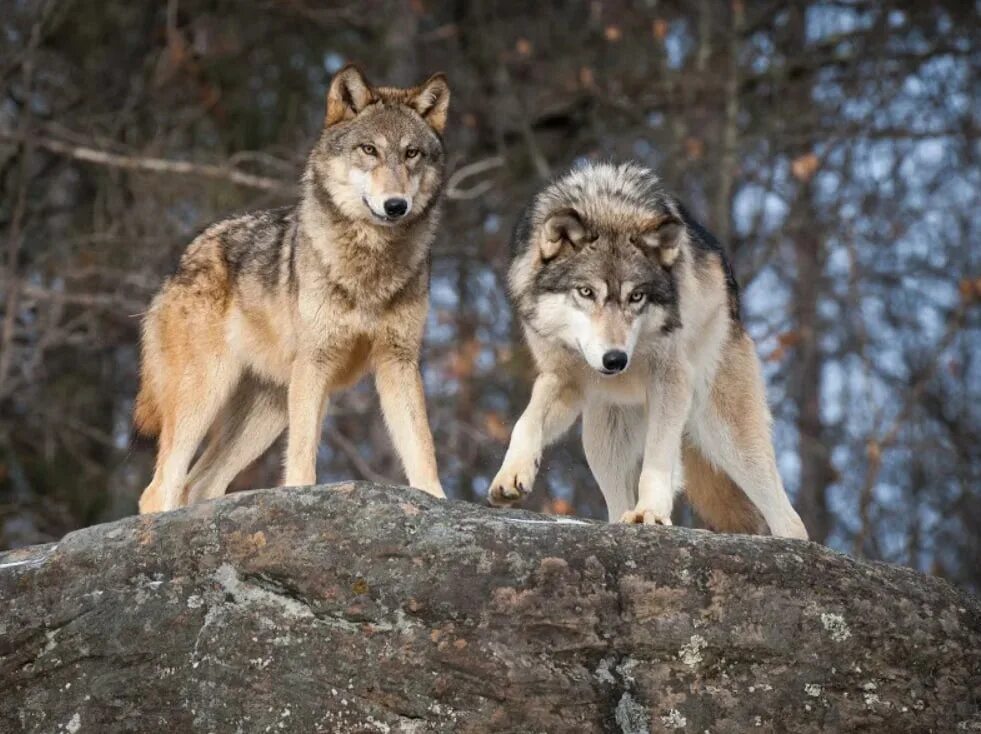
631, 312
270, 312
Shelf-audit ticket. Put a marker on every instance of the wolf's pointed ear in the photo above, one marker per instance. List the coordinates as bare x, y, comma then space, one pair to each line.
664, 237
349, 94
432, 101
562, 227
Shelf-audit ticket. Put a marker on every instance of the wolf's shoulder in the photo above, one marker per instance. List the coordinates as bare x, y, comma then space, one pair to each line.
703, 244
247, 242
252, 226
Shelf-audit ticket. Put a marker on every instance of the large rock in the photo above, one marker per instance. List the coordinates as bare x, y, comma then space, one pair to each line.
360, 608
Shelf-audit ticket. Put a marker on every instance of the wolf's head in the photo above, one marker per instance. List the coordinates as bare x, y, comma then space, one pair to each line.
380, 157
596, 271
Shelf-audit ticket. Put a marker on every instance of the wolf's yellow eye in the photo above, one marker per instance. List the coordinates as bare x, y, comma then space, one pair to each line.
368, 149
637, 296
585, 291
411, 152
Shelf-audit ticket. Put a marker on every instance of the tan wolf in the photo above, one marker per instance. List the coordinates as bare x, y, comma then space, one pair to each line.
271, 312
631, 311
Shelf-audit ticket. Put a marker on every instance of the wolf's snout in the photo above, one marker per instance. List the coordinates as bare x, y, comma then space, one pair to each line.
615, 360
396, 207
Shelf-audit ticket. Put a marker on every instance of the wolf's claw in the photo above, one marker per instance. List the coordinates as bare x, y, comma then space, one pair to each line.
644, 517
512, 483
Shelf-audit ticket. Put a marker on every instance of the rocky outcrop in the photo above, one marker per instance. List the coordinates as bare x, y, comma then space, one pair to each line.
362, 608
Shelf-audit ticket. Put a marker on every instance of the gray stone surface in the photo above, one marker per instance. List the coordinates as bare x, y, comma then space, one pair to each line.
360, 608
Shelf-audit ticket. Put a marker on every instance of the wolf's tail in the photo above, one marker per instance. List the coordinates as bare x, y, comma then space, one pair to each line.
146, 411
716, 498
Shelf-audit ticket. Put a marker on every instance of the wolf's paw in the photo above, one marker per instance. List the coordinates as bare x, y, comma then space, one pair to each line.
644, 517
513, 482
150, 501
792, 527
432, 487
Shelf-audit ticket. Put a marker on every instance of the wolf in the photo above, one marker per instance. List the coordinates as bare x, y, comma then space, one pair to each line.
631, 311
271, 312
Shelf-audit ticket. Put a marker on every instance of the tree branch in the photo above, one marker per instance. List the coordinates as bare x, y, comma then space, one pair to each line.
226, 172
453, 190
154, 165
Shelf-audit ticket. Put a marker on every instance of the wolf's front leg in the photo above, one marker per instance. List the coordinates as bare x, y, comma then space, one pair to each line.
554, 406
668, 405
403, 403
306, 405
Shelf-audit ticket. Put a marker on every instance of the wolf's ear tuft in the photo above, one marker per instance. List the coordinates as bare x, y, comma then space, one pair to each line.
432, 100
562, 227
664, 237
349, 94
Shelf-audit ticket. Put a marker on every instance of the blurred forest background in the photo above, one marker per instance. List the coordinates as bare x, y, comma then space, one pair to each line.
833, 145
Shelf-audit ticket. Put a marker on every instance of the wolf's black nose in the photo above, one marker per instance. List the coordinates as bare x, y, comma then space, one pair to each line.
396, 207
615, 360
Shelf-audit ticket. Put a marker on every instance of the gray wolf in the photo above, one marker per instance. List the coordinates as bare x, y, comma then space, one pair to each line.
271, 312
631, 312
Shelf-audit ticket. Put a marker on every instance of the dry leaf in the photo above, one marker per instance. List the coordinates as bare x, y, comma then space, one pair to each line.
612, 33
561, 507
970, 289
694, 147
788, 338
523, 47
660, 29
496, 427
462, 361
804, 166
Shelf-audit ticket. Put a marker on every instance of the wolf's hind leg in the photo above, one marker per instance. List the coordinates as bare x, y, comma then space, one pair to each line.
721, 504
255, 416
732, 430
613, 439
199, 387
147, 411
151, 500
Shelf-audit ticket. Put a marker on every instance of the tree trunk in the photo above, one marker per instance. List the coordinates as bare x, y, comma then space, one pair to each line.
806, 381
816, 471
361, 608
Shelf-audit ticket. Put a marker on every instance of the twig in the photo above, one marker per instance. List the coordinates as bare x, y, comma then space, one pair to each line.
15, 235
538, 159
349, 450
154, 165
730, 129
228, 172
876, 446
453, 190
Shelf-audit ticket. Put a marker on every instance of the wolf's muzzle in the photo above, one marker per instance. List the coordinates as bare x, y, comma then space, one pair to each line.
396, 207
615, 361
